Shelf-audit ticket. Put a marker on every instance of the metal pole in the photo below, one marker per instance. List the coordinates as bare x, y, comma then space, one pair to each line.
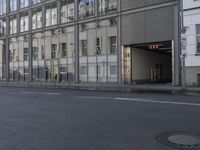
183, 55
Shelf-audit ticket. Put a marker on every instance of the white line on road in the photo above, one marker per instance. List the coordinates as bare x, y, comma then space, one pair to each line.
47, 93
160, 102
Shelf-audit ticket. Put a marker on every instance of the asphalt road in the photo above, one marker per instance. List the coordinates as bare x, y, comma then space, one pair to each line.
58, 119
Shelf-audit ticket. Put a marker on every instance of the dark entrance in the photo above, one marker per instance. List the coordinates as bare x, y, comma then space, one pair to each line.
152, 62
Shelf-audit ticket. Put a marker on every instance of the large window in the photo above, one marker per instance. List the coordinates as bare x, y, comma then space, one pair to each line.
67, 11
51, 14
198, 37
24, 22
98, 51
2, 7
23, 3
13, 5
13, 24
3, 27
86, 8
37, 18
106, 6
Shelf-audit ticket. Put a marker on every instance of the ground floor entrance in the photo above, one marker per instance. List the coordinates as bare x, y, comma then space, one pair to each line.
148, 63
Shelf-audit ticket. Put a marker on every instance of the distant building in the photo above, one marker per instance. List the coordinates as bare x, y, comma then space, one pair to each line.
191, 11
89, 41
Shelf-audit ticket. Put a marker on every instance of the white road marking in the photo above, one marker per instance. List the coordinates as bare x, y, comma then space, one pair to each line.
160, 102
47, 93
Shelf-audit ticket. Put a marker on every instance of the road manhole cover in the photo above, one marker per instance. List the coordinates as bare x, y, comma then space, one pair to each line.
180, 140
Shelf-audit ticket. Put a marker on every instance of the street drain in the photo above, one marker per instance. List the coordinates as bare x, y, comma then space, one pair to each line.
180, 140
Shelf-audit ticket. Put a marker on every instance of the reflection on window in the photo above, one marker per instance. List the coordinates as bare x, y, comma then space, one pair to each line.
25, 54
86, 8
51, 14
35, 53
24, 22
23, 3
67, 11
13, 24
2, 7
35, 1
2, 26
53, 50
13, 5
37, 18
83, 47
106, 6
113, 44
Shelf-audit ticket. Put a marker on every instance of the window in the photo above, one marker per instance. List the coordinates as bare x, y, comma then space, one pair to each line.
113, 70
13, 24
2, 26
98, 42
51, 14
12, 55
23, 3
198, 37
63, 47
35, 53
25, 54
53, 50
113, 44
86, 8
2, 7
13, 5
67, 11
35, 1
37, 18
83, 47
105, 6
83, 70
24, 22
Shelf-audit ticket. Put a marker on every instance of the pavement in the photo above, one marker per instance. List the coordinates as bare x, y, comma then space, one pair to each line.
62, 119
166, 88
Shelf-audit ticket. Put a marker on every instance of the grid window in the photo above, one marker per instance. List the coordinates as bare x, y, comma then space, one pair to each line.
35, 53
83, 47
25, 54
35, 1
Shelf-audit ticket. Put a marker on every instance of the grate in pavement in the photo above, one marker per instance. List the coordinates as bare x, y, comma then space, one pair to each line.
180, 140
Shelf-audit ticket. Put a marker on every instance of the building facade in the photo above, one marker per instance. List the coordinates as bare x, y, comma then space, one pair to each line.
83, 41
191, 35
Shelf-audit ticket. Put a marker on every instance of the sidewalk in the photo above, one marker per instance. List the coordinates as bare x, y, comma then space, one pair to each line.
165, 88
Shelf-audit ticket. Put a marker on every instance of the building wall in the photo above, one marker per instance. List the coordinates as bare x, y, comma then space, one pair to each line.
192, 61
192, 76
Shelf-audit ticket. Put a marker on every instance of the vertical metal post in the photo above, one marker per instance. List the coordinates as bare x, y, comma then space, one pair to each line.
183, 55
76, 46
119, 51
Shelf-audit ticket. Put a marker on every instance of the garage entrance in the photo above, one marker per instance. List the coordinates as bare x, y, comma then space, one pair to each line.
148, 63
